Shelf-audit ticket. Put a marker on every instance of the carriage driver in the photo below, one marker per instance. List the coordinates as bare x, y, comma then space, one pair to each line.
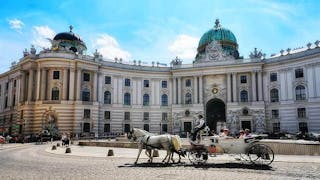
200, 125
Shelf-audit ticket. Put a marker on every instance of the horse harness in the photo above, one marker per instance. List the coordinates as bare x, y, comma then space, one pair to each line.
146, 142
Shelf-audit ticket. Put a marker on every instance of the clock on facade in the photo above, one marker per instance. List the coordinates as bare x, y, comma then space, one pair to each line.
215, 90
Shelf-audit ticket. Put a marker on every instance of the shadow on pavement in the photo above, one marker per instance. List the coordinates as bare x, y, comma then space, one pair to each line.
203, 166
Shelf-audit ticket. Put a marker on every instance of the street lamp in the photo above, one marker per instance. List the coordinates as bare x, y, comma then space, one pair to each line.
160, 128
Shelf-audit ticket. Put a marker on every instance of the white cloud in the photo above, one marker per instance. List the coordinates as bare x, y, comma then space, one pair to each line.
109, 47
184, 46
41, 33
16, 25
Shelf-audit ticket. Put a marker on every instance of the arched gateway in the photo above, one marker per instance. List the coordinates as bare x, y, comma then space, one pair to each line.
216, 114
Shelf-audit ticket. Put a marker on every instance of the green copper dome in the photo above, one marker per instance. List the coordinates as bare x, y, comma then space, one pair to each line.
224, 36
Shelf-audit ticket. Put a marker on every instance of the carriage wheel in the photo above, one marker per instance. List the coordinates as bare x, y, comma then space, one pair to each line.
260, 154
197, 157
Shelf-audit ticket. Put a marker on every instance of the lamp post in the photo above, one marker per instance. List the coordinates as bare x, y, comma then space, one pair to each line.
160, 128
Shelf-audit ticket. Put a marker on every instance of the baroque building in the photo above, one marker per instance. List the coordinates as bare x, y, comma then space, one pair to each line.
62, 90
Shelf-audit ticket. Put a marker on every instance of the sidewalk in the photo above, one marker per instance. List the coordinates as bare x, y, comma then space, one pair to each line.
92, 151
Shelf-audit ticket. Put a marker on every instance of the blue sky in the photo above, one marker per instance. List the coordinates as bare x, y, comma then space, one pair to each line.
156, 30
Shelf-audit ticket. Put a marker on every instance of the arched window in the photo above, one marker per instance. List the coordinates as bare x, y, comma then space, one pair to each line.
188, 99
107, 97
274, 95
146, 99
164, 100
300, 92
244, 96
55, 93
86, 95
127, 99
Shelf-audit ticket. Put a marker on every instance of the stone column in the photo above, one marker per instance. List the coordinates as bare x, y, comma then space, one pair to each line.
260, 86
229, 87
254, 86
30, 84
10, 96
38, 83
65, 84
23, 84
100, 90
78, 82
174, 90
200, 89
234, 87
43, 84
179, 90
195, 90
49, 85
71, 84
94, 89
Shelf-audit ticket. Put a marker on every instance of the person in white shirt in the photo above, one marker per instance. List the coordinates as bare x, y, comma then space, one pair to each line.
200, 125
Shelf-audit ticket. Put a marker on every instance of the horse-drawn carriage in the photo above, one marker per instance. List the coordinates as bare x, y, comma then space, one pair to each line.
247, 149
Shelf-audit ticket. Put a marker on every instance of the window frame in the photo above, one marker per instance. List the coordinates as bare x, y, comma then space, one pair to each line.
243, 79
56, 75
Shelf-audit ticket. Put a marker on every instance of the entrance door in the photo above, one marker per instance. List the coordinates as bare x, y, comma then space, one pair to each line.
246, 125
215, 112
187, 126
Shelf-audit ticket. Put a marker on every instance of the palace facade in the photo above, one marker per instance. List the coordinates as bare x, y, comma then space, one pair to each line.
62, 90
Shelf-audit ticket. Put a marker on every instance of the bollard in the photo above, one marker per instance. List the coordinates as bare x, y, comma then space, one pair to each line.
110, 152
54, 147
155, 153
58, 144
68, 150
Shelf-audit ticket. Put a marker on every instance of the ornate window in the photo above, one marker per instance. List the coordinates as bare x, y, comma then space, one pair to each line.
243, 79
107, 97
275, 113
164, 128
300, 93
127, 128
86, 77
301, 112
299, 73
303, 127
107, 80
146, 83
56, 74
164, 84
127, 82
55, 93
276, 127
106, 128
188, 99
274, 95
164, 116
86, 127
86, 113
146, 127
146, 99
244, 96
188, 82
273, 77
127, 116
164, 100
85, 95
127, 99
107, 115
146, 116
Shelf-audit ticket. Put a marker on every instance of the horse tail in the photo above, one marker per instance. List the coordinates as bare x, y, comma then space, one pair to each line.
176, 142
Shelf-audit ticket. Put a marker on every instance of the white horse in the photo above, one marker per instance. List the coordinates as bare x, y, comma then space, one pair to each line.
170, 143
